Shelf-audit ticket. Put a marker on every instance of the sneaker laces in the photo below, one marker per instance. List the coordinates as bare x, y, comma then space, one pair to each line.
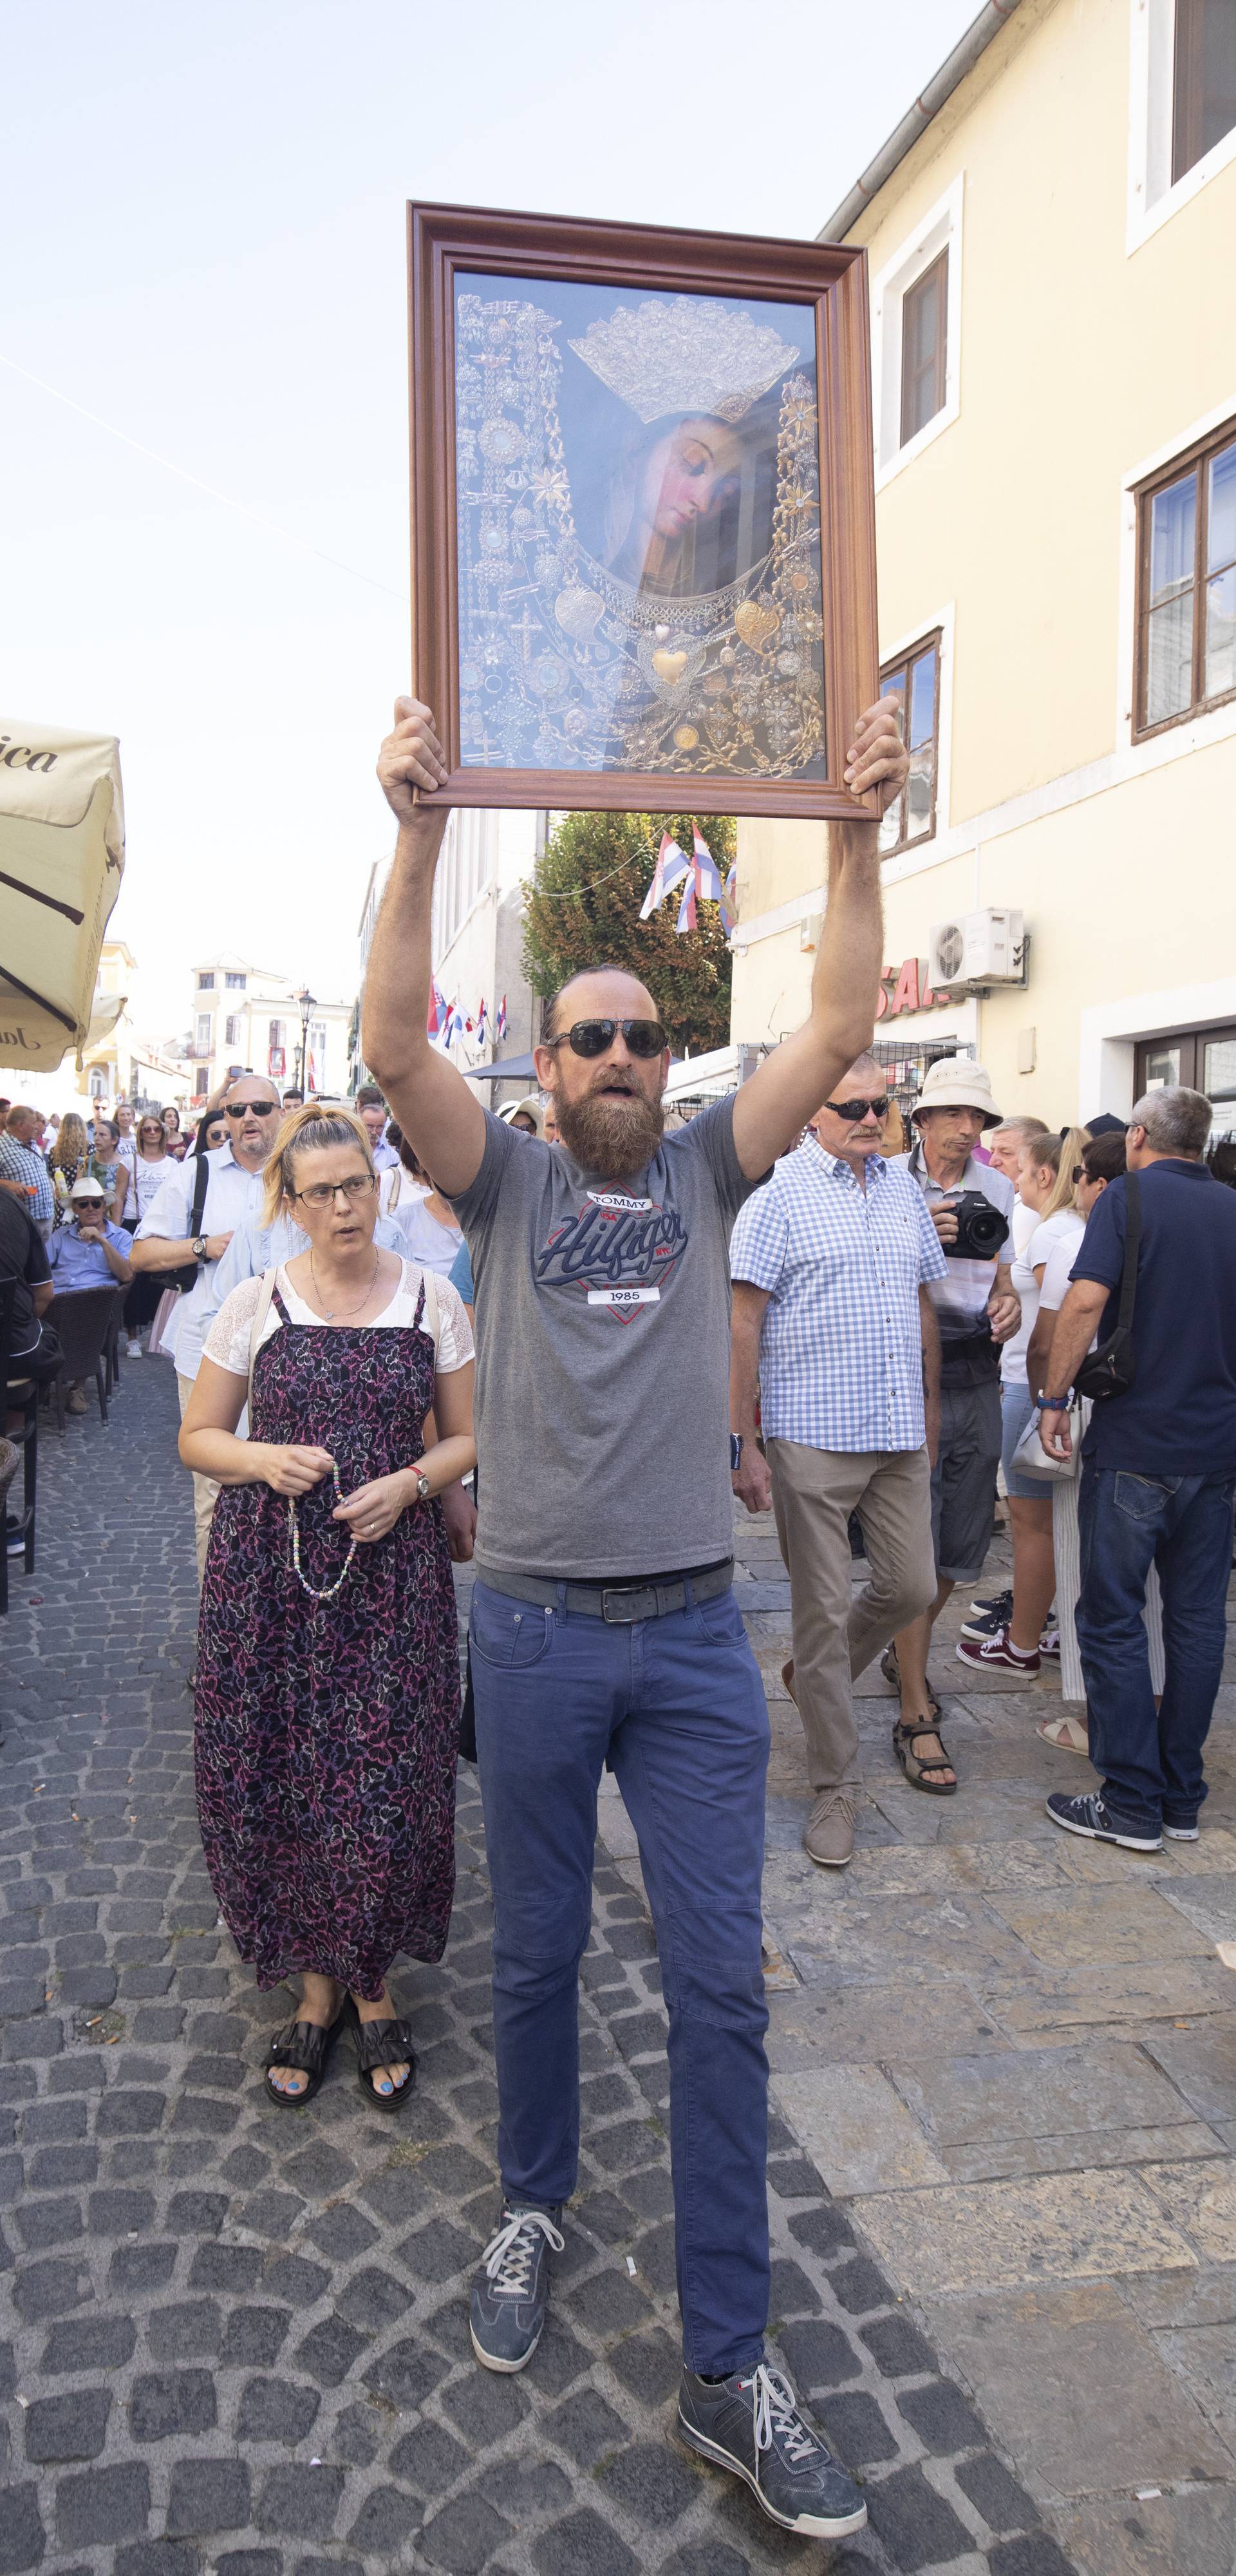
511, 2251
776, 2412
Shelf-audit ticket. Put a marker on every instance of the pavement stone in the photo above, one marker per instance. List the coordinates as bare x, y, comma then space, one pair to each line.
239, 2338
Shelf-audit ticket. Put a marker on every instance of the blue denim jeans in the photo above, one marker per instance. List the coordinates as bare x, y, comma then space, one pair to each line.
677, 1705
1151, 1761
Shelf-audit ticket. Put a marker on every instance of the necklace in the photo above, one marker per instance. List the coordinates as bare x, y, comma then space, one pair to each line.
330, 1312
294, 1526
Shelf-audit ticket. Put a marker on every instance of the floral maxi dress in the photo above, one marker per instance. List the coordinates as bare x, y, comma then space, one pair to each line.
326, 1731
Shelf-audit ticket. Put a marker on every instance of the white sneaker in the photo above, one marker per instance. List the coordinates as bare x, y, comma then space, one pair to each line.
133, 1349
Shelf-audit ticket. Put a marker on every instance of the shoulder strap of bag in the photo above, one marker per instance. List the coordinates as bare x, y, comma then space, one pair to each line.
1132, 1239
201, 1184
260, 1313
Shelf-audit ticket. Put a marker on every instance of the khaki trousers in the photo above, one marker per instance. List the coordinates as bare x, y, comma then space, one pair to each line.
205, 1490
837, 1635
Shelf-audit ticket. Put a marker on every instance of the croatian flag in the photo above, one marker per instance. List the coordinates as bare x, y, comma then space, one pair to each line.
672, 865
687, 913
729, 901
482, 1026
435, 1019
707, 879
500, 1022
452, 1026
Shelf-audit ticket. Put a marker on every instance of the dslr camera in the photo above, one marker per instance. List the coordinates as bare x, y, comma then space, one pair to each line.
981, 1230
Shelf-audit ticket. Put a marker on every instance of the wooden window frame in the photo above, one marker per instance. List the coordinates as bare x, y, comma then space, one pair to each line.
831, 277
1192, 1044
1193, 459
905, 662
936, 275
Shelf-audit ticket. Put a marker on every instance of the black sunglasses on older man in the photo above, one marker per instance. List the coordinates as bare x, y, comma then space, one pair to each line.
853, 1110
242, 1108
592, 1037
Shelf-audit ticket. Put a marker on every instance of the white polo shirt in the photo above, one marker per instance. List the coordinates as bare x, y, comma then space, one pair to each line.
232, 1195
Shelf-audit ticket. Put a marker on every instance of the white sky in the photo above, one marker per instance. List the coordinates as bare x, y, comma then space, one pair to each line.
202, 209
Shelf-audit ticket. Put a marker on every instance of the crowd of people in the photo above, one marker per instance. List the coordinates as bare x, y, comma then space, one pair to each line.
410, 1329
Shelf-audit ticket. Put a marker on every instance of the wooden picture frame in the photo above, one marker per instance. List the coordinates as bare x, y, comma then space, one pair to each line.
560, 678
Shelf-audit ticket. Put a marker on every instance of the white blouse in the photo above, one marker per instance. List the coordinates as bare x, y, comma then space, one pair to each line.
227, 1342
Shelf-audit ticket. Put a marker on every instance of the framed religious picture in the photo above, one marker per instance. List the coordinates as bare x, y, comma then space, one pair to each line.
643, 532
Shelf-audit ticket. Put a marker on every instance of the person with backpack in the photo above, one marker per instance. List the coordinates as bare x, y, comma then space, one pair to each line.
1154, 1276
189, 1228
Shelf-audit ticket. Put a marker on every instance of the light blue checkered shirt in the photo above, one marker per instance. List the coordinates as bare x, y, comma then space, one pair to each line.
841, 1351
21, 1163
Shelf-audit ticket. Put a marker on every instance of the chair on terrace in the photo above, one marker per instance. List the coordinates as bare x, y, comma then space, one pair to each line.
21, 1396
82, 1317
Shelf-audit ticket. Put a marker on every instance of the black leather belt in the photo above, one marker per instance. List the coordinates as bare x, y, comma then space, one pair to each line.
619, 1603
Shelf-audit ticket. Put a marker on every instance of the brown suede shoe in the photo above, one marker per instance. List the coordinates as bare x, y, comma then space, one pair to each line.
829, 1838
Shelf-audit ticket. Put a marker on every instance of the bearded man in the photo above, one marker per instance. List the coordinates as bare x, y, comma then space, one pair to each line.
603, 1625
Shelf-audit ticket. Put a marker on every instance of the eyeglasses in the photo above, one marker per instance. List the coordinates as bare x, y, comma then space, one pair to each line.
243, 1108
856, 1109
592, 1037
322, 1194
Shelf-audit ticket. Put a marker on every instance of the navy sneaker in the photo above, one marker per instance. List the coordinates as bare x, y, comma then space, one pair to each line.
988, 1612
1093, 1818
506, 2311
753, 2424
1181, 1833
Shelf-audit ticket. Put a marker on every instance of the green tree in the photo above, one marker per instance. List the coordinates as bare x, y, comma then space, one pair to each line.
582, 906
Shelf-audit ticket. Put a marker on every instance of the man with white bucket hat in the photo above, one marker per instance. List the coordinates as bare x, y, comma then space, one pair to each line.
977, 1308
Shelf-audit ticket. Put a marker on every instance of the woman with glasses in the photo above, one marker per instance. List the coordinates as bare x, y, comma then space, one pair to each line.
328, 1663
144, 1178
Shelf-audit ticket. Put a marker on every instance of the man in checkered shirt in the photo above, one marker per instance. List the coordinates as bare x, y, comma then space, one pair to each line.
831, 1262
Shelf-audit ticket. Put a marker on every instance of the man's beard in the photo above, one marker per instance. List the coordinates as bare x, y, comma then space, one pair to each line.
610, 1135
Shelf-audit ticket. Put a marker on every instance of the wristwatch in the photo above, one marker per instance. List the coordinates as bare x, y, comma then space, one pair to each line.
423, 1487
198, 1248
736, 1440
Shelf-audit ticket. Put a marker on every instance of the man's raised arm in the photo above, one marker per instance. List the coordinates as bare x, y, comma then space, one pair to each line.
772, 1108
438, 1111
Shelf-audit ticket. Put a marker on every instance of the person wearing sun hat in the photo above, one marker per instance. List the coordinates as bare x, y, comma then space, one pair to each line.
88, 1252
977, 1309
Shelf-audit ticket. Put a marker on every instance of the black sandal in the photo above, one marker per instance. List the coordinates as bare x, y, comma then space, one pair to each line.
906, 1734
307, 2046
383, 2043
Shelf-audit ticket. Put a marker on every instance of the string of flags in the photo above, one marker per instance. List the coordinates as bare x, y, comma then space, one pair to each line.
446, 1021
699, 878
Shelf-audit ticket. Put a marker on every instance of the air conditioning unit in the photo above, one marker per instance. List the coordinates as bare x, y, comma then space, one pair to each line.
976, 948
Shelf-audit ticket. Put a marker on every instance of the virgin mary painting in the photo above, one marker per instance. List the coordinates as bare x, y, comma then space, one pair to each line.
638, 532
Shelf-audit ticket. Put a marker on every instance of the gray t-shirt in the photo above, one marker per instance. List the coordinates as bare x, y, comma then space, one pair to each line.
603, 1354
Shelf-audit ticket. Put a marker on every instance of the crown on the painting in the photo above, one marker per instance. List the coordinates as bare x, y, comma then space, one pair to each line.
691, 354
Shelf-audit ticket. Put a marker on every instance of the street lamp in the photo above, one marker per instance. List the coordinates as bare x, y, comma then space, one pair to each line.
307, 1004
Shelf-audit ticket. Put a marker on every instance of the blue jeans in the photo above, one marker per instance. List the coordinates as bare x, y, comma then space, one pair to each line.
678, 1706
1151, 1761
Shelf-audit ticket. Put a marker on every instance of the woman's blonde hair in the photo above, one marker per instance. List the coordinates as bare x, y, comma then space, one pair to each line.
70, 1144
1061, 1155
306, 1131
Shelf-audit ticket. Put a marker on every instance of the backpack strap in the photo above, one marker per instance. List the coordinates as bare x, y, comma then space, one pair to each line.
201, 1183
256, 1328
431, 1312
1132, 1239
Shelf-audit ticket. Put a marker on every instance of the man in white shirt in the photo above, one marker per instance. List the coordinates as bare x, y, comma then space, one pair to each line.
164, 1240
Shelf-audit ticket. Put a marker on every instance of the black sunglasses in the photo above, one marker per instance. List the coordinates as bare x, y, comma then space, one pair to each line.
242, 1108
592, 1037
855, 1109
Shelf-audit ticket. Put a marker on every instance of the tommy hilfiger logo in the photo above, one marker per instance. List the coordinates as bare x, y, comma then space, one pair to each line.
618, 1250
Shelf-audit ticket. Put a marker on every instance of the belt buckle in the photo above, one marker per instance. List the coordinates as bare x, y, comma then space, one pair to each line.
625, 1611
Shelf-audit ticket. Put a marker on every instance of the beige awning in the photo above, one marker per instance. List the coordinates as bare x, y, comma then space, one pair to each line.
61, 862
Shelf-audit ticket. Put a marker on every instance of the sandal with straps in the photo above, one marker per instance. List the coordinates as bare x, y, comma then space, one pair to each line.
906, 1734
307, 2046
383, 2043
891, 1670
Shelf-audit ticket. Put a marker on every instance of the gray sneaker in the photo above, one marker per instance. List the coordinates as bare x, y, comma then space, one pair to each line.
506, 2311
753, 2424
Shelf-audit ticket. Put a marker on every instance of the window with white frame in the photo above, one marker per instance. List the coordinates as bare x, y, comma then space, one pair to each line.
916, 323
1183, 109
913, 678
235, 983
206, 983
202, 1043
231, 1032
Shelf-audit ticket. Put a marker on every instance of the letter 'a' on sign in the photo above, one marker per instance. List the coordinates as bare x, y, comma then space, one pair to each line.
905, 997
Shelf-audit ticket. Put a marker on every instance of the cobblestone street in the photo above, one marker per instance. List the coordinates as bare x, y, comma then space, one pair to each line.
1003, 2212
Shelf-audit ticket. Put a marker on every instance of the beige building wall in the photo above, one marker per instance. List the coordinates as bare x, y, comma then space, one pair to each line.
1089, 350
